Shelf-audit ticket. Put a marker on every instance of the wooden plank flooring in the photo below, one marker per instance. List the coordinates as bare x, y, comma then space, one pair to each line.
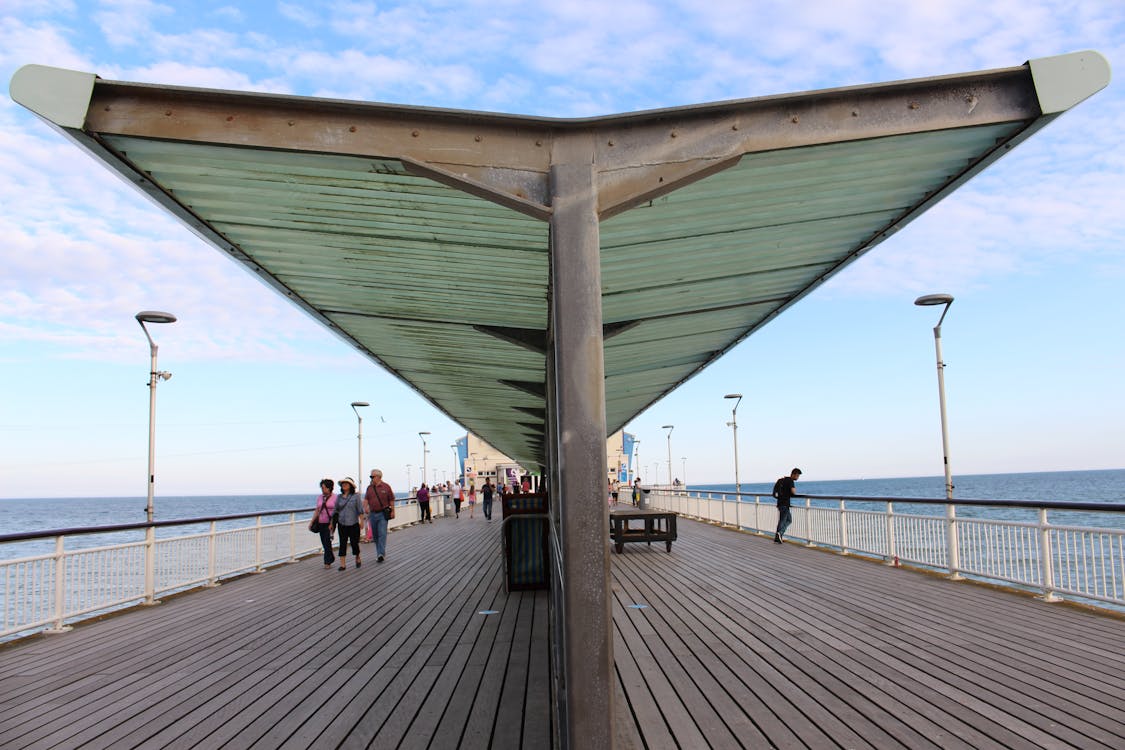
389, 655
740, 643
745, 643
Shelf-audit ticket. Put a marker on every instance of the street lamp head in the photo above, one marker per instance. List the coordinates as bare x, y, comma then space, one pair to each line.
733, 395
423, 433
927, 300
360, 403
155, 316
666, 426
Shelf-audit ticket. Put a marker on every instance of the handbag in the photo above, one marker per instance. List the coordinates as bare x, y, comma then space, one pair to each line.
389, 512
314, 524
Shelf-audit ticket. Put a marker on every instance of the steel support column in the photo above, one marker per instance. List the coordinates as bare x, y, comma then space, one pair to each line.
579, 462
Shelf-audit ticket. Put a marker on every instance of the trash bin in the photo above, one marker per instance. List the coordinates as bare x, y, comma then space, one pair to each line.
526, 531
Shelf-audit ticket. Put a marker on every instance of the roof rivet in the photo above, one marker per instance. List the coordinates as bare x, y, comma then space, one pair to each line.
167, 113
230, 118
538, 142
351, 129
292, 123
609, 143
674, 134
414, 133
107, 108
734, 127
795, 119
477, 139
661, 179
854, 113
914, 105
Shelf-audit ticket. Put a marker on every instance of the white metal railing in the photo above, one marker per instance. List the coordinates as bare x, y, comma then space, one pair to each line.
48, 589
1083, 558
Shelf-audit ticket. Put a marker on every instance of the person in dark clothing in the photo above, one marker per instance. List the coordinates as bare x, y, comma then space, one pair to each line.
424, 514
783, 490
486, 499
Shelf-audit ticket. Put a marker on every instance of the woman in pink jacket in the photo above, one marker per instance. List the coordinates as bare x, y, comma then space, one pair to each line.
325, 505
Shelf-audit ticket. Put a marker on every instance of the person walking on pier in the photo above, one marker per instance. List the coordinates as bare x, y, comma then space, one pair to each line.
325, 505
783, 490
458, 496
424, 514
472, 498
486, 499
380, 503
348, 515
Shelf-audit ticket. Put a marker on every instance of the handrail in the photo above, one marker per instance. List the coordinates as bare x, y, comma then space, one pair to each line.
997, 503
1084, 558
24, 536
78, 530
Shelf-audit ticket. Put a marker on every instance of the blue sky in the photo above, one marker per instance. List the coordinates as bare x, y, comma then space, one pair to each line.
843, 385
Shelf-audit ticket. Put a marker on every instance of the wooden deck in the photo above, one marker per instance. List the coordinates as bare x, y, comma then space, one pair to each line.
741, 643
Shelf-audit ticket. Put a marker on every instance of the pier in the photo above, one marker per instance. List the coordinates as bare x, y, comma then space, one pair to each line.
726, 641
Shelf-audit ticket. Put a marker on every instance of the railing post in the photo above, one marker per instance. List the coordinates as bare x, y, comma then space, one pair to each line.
292, 537
738, 512
758, 514
951, 543
150, 565
808, 523
212, 542
1045, 558
843, 528
892, 550
60, 588
258, 545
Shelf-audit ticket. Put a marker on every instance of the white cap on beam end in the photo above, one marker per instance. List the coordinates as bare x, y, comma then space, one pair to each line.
1065, 80
57, 95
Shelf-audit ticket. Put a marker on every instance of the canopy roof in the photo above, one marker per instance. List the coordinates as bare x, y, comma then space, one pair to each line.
420, 235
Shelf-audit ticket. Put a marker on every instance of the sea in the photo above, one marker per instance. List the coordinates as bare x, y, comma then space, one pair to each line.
18, 515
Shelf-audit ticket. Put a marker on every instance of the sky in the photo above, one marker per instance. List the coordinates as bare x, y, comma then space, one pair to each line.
843, 385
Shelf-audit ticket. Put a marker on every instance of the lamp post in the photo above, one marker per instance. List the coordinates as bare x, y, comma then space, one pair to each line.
456, 462
425, 459
359, 438
152, 316
733, 423
637, 465
684, 472
669, 428
409, 481
927, 301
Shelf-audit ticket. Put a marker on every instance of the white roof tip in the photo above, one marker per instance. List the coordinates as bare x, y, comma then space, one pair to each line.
55, 94
1065, 80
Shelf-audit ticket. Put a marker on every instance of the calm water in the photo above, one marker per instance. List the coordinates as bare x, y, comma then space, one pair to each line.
39, 514
1067, 486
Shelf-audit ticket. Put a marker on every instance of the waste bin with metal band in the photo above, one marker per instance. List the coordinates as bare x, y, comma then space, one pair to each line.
526, 537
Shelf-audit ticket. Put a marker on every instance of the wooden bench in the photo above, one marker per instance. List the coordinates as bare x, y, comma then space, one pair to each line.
642, 526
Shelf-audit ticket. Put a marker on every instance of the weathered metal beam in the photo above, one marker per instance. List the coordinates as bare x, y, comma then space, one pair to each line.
579, 383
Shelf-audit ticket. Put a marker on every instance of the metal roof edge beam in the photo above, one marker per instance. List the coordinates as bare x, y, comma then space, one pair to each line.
529, 338
1062, 81
479, 189
644, 184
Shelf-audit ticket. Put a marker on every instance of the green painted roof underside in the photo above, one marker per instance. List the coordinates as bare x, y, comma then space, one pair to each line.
404, 267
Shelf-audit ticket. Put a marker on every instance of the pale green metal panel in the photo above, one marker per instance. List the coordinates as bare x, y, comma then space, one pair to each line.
752, 239
404, 266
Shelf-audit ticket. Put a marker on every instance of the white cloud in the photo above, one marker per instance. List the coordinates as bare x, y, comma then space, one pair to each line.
129, 23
